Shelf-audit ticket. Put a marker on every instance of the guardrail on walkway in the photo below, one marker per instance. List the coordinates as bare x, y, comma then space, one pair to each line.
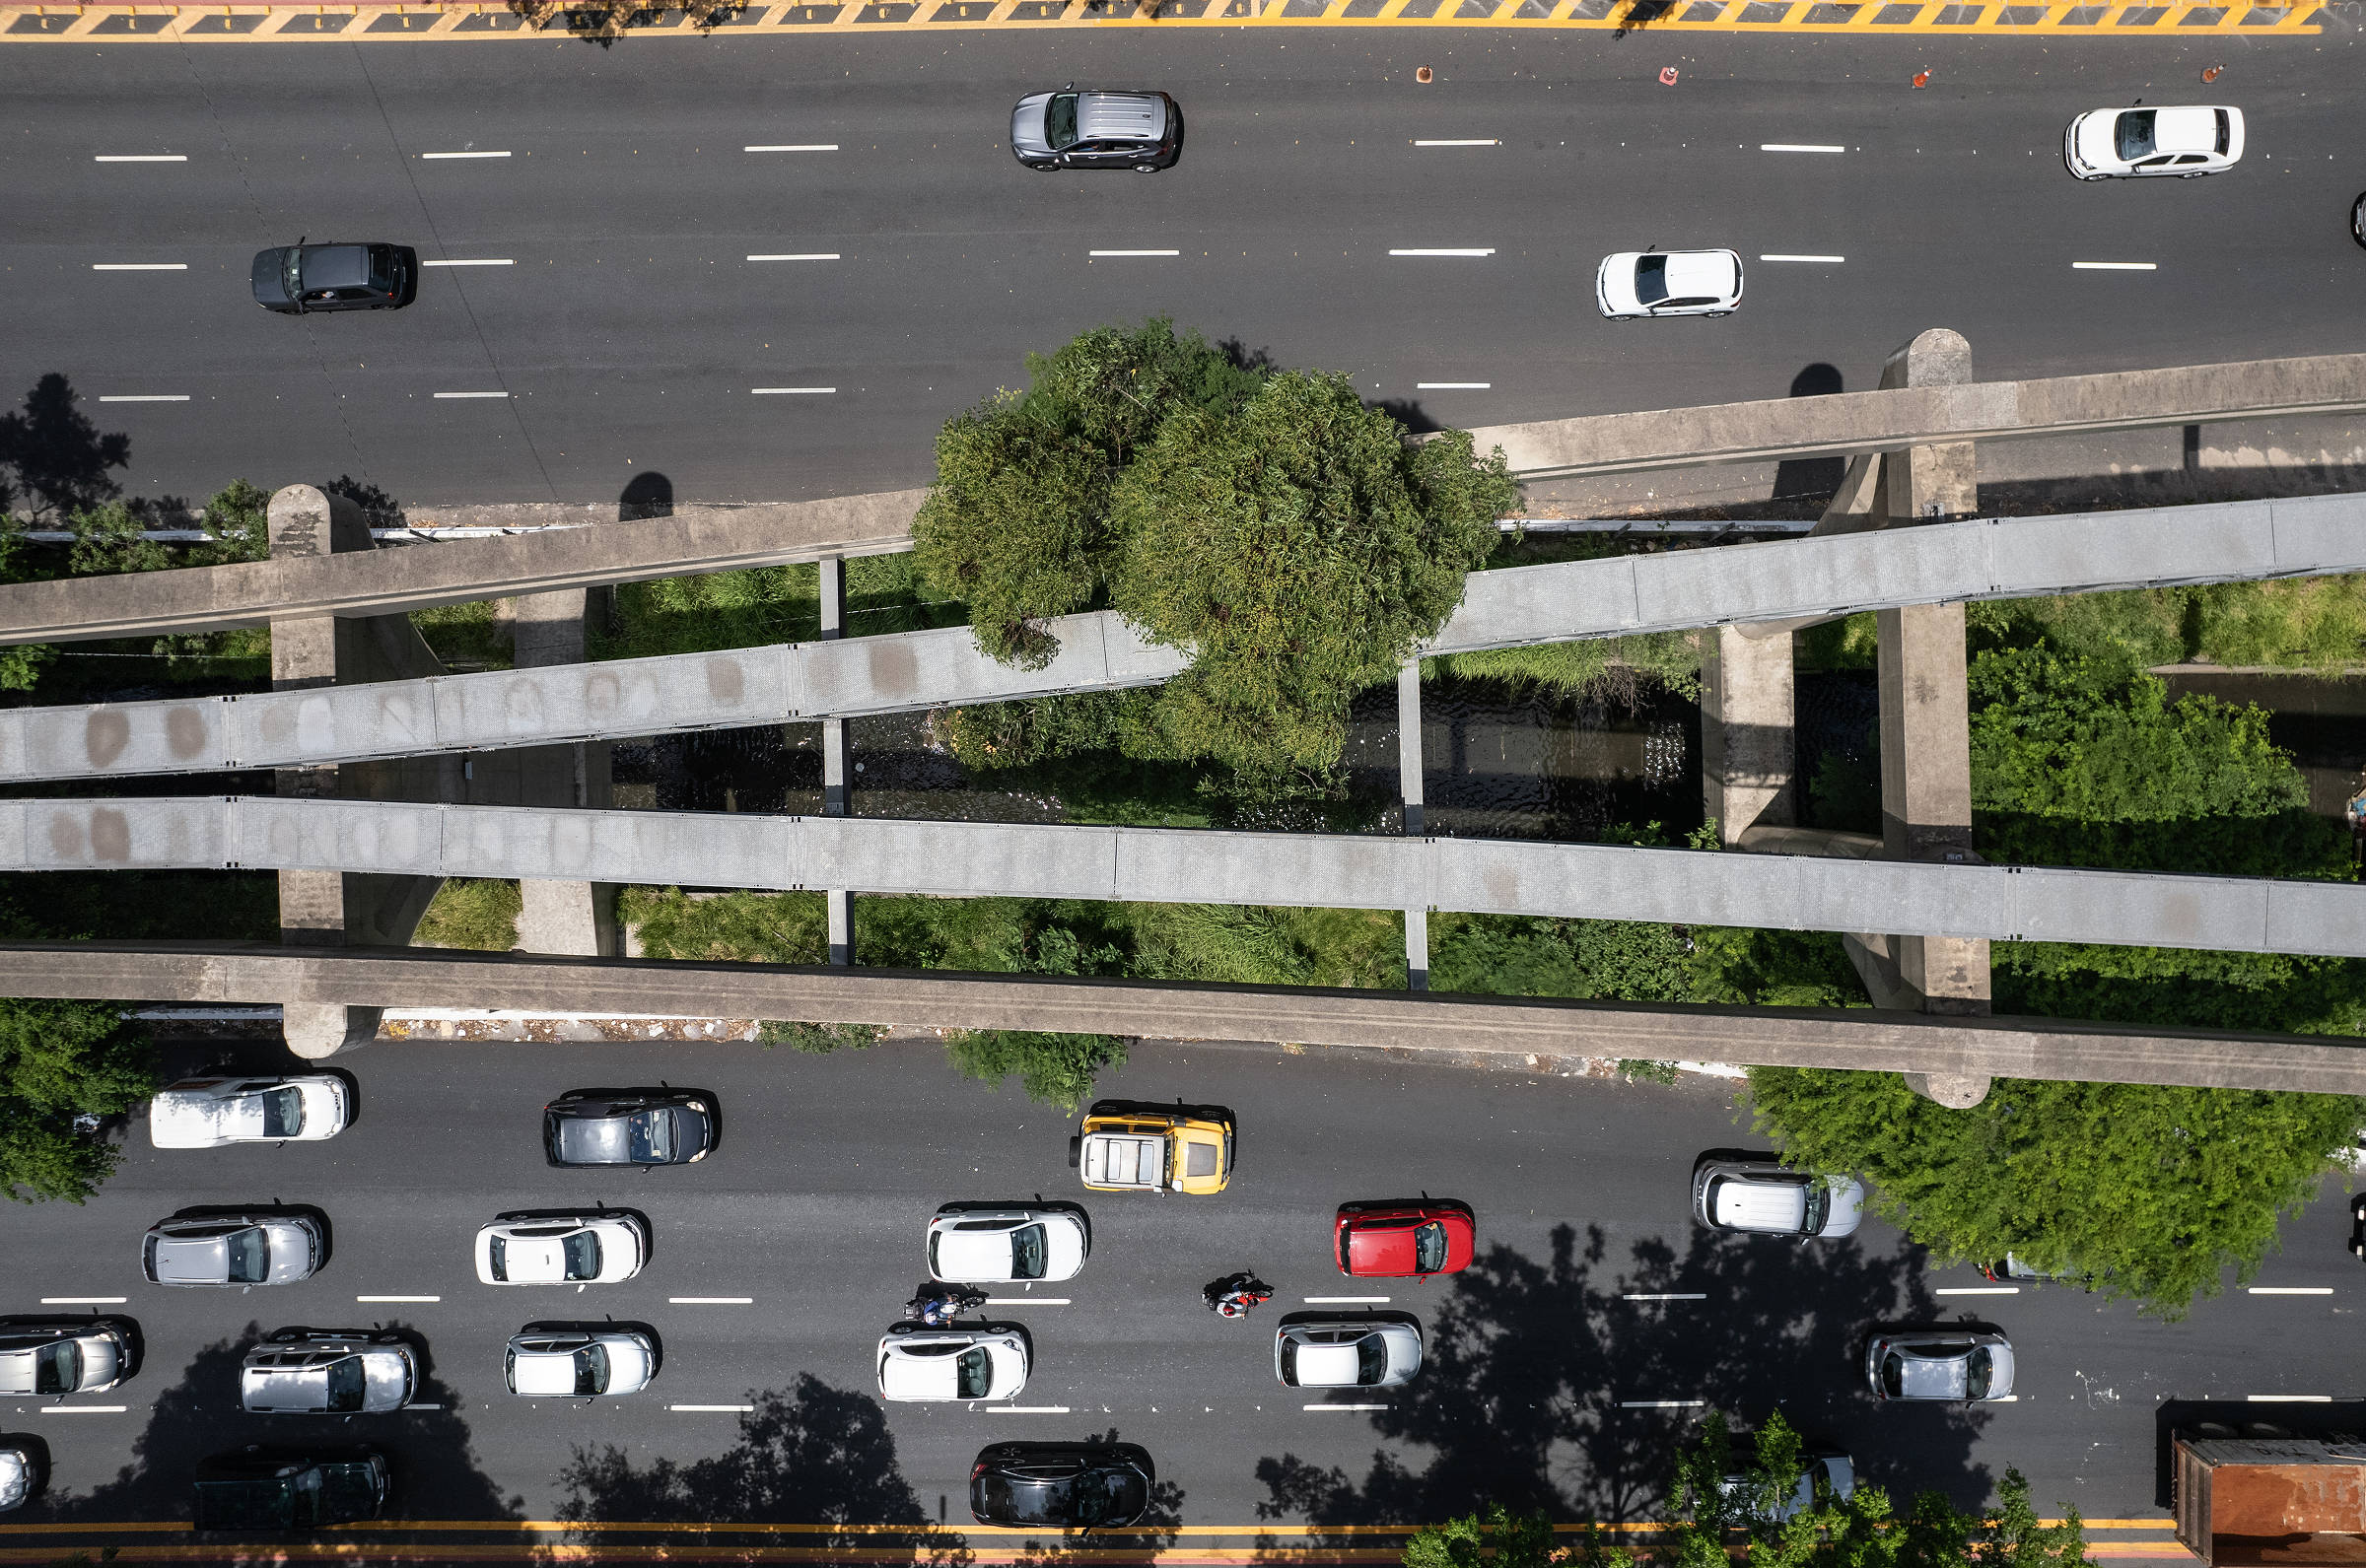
712, 539
2000, 558
1415, 1024
1172, 865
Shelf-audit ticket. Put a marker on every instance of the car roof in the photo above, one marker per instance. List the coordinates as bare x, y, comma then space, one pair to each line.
336, 266
1327, 1366
1120, 116
1758, 1200
932, 1377
2185, 130
543, 1371
1693, 273
202, 1259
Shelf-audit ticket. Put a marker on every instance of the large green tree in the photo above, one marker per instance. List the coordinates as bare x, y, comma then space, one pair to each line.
59, 1059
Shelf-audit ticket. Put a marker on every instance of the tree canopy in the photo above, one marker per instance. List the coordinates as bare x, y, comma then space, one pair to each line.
59, 1059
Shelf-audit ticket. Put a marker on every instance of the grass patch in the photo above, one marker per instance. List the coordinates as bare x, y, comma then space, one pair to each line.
479, 914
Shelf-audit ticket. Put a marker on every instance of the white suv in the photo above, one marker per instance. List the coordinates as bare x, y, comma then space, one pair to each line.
568, 1250
566, 1364
983, 1363
207, 1112
2136, 143
308, 1371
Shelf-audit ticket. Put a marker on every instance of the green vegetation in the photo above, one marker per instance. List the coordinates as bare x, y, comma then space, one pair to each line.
1495, 1538
820, 1040
59, 1059
480, 913
763, 604
1615, 667
1288, 538
1056, 1069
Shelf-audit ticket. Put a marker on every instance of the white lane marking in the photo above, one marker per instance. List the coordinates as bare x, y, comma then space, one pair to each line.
710, 1301
1672, 1295
139, 158
84, 1300
84, 1409
1028, 1301
1979, 1290
472, 394
1476, 141
791, 392
2290, 1290
735, 1409
1451, 387
1447, 251
417, 1405
1344, 1407
1132, 252
801, 255
1798, 147
791, 147
1832, 261
433, 156
2289, 1398
1342, 1301
1027, 1410
482, 261
2003, 1398
2114, 267
1661, 1405
139, 266
146, 397
398, 1298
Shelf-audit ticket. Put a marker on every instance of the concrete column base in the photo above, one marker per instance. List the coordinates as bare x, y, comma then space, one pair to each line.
1748, 754
1416, 949
314, 1030
1410, 763
577, 918
835, 768
1955, 1090
842, 926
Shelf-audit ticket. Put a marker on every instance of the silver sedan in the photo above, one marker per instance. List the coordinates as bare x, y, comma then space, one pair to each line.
1347, 1352
1964, 1366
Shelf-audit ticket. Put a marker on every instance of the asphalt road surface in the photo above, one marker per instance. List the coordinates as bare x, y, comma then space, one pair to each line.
626, 332
1547, 1380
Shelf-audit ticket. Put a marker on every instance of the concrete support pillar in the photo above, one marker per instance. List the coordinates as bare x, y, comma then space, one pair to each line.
842, 926
835, 758
1748, 752
580, 917
1409, 790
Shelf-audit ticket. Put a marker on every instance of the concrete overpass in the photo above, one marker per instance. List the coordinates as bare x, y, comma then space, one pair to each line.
716, 538
1825, 575
977, 859
1526, 1029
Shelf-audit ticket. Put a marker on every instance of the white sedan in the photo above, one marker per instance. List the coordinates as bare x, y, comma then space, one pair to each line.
569, 1250
2134, 143
571, 1365
1637, 283
998, 1245
984, 1363
207, 1112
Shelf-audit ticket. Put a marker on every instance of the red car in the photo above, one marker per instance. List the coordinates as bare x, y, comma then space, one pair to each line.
1404, 1241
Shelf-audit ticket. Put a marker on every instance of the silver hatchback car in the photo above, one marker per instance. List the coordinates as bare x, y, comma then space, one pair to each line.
1347, 1352
1097, 129
1770, 1198
1965, 1365
317, 1372
233, 1249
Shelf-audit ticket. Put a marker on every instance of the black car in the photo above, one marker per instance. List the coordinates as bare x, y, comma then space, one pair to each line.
274, 1490
2357, 218
1066, 1485
629, 1126
299, 278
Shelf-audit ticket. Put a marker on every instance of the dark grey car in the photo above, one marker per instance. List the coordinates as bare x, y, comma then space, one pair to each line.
300, 279
629, 1126
270, 1249
1097, 129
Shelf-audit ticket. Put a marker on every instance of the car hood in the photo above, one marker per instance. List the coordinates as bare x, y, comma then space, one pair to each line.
1921, 1378
629, 1365
1026, 125
291, 1253
1847, 1211
385, 1379
1121, 117
102, 1360
16, 1476
1614, 281
2000, 1371
2093, 138
271, 277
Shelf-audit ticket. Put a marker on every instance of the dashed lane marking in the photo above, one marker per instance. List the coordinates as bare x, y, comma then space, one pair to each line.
145, 397
1028, 1301
1446, 251
1485, 141
798, 255
1344, 1407
1668, 1295
139, 266
2114, 267
471, 394
791, 392
84, 1300
1979, 1290
472, 261
1345, 1301
439, 157
2288, 1398
713, 1409
2289, 1290
1661, 1405
1027, 1410
139, 158
1778, 255
1132, 252
413, 1299
1798, 147
84, 1409
710, 1301
792, 147
1452, 386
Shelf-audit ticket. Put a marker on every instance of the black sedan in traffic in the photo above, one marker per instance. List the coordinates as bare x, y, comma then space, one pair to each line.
302, 278
630, 1126
1063, 1485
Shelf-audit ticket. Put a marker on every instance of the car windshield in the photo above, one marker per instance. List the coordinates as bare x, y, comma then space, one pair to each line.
653, 1137
1029, 1256
582, 1256
345, 1385
1892, 1374
57, 1368
1060, 121
1371, 1359
249, 1256
1651, 279
1982, 1373
283, 1113
591, 1370
2134, 134
1819, 1206
974, 1374
1429, 1247
2225, 132
290, 270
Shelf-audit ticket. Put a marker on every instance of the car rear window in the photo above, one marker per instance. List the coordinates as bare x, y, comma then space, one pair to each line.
1371, 1359
1030, 1257
2225, 132
1429, 1247
974, 1373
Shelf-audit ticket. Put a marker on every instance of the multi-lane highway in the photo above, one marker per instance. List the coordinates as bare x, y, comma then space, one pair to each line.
610, 317
1597, 1323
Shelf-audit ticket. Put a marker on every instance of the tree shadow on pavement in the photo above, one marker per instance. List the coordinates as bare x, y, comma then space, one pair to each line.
807, 1455
1548, 1386
1151, 1535
55, 461
435, 1468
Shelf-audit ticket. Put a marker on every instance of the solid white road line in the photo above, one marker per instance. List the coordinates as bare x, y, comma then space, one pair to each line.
139, 266
1434, 251
1342, 1301
84, 1300
1798, 147
2114, 267
1027, 1410
398, 1298
1979, 1290
1832, 261
1132, 252
803, 256
84, 1409
2003, 1398
499, 261
1344, 1407
146, 397
710, 1301
1477, 141
472, 394
2290, 1290
735, 1410
1028, 1301
433, 156
2289, 1398
1670, 1296
791, 392
139, 158
1661, 1405
1451, 387
792, 147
